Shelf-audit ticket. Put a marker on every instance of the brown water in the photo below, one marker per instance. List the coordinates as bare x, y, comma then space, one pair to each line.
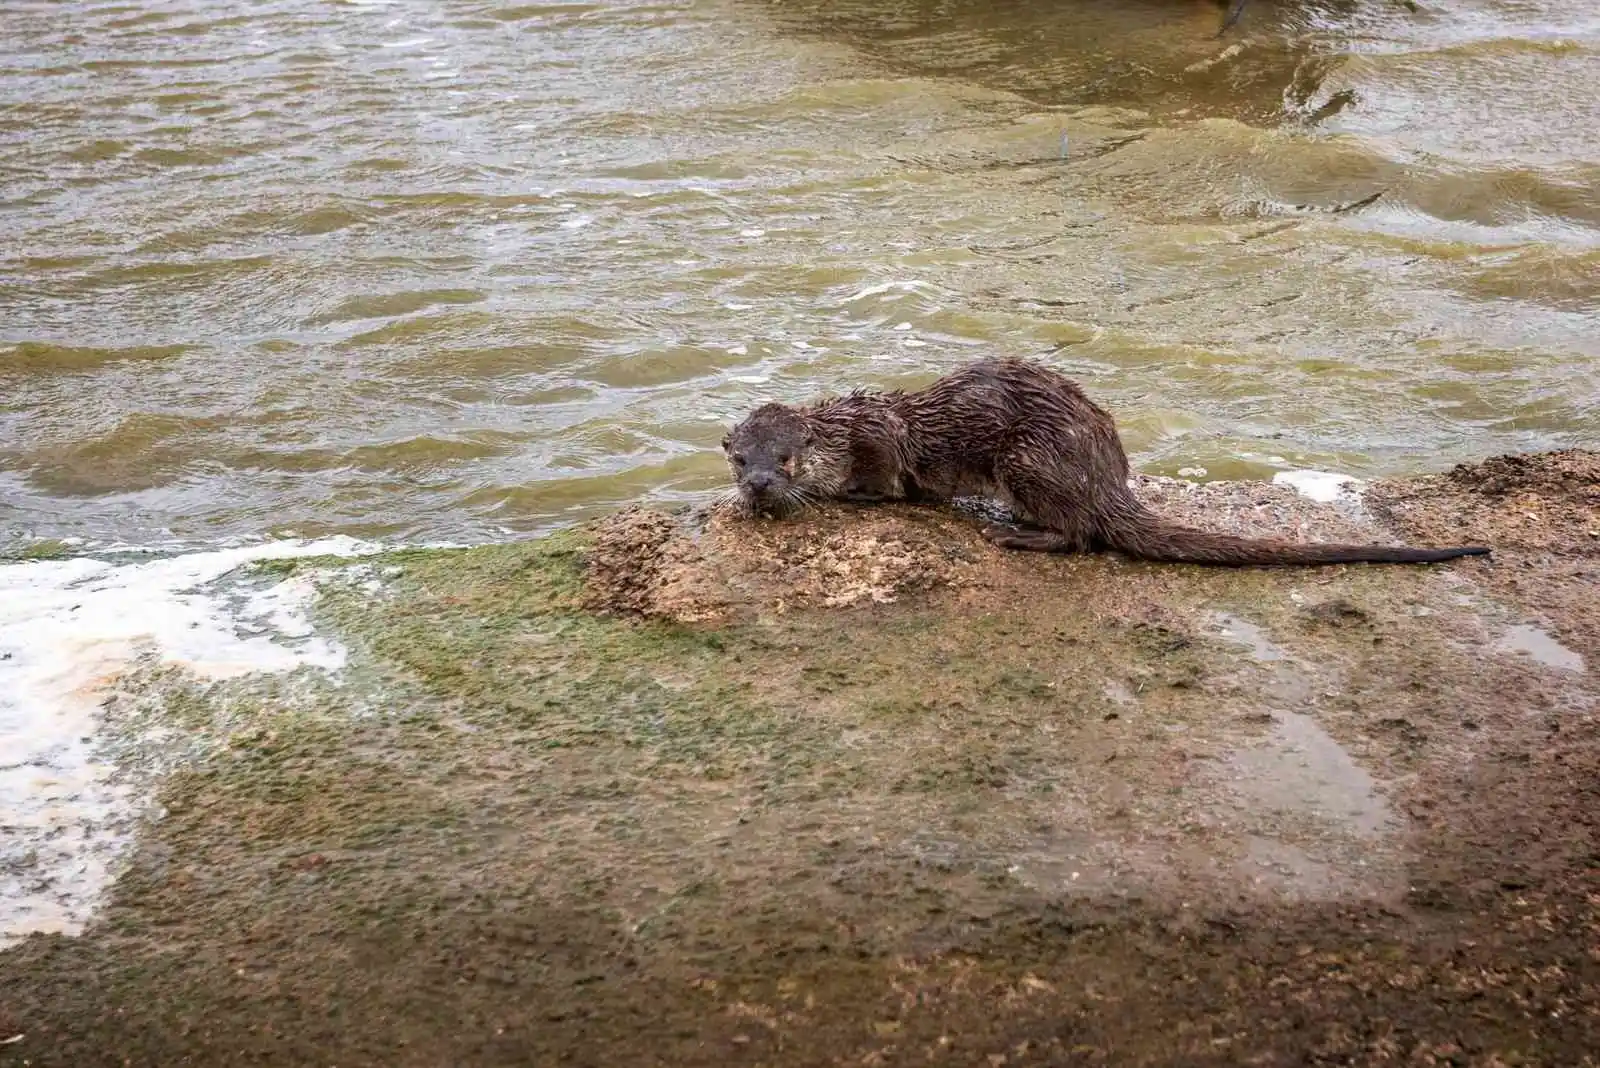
449, 269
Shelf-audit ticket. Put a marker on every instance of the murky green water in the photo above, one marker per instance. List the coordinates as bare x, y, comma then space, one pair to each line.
440, 268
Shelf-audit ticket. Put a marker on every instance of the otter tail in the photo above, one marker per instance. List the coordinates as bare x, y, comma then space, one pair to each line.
1147, 536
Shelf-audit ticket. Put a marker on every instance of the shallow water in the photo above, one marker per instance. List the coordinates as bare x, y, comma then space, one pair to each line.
1537, 643
453, 269
1298, 767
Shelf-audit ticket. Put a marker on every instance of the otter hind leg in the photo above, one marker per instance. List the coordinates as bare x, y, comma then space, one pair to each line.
1044, 493
1032, 541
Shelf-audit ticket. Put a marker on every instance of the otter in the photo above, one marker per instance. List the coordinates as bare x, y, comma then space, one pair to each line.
1010, 428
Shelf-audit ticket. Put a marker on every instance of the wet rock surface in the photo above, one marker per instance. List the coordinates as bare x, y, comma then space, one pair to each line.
1541, 512
858, 788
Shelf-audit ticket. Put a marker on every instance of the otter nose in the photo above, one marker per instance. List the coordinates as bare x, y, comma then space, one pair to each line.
759, 483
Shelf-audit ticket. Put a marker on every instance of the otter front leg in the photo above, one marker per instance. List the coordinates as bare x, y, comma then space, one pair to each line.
903, 491
874, 490
876, 474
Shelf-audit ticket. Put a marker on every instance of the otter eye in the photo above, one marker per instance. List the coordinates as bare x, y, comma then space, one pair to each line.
738, 459
727, 440
786, 457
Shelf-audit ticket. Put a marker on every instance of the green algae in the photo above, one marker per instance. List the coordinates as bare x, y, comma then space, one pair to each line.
463, 656
35, 549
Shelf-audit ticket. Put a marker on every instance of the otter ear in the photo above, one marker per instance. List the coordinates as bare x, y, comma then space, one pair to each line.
808, 438
727, 440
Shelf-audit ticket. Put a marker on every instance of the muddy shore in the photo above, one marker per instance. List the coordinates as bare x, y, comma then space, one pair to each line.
858, 788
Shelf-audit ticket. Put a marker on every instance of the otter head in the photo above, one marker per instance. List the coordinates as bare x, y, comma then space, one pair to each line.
767, 454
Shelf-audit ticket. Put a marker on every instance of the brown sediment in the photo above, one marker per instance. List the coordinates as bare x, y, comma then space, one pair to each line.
860, 788
713, 565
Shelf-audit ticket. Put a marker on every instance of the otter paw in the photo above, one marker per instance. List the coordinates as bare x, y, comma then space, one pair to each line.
1030, 541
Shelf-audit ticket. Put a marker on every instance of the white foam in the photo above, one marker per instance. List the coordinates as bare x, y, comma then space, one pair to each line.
1324, 486
909, 286
68, 629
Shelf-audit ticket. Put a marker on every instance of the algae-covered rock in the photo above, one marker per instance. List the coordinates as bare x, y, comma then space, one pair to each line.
859, 788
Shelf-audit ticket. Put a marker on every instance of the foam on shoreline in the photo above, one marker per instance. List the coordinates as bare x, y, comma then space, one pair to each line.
68, 629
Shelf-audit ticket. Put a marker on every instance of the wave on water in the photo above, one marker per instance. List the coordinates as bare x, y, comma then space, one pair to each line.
68, 630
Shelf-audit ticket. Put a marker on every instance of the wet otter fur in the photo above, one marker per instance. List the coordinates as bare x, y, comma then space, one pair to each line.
1003, 427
